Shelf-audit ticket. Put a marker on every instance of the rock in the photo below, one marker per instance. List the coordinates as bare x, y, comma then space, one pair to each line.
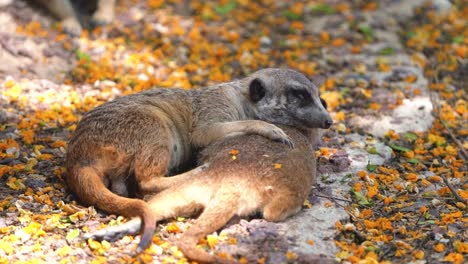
316, 224
331, 23
265, 41
265, 44
7, 23
35, 181
413, 115
359, 155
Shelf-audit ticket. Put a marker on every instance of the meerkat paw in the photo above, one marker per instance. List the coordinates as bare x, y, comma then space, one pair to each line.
114, 233
72, 26
103, 16
225, 261
277, 134
196, 254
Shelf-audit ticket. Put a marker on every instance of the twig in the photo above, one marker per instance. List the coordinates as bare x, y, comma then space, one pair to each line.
387, 251
435, 106
454, 192
8, 47
333, 198
464, 155
419, 218
433, 197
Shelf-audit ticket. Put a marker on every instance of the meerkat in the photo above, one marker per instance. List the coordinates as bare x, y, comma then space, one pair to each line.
140, 138
264, 176
63, 10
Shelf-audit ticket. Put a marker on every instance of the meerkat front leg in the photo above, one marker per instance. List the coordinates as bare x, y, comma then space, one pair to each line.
205, 135
104, 13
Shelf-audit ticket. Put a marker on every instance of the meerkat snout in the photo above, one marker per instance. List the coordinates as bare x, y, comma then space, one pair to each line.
328, 121
327, 124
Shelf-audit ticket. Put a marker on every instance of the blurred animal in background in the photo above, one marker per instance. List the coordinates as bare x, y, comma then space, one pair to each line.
66, 11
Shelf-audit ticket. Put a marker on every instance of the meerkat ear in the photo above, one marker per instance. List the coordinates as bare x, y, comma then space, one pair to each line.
256, 90
324, 103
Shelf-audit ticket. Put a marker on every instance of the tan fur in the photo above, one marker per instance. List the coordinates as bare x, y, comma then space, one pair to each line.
63, 9
224, 187
142, 137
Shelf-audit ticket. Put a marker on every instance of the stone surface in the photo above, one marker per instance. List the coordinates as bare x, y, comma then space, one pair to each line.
413, 115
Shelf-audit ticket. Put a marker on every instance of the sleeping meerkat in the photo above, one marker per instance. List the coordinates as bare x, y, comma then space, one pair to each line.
265, 176
63, 10
148, 135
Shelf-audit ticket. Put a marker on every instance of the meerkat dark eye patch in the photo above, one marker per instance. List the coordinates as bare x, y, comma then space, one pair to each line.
324, 103
256, 90
301, 95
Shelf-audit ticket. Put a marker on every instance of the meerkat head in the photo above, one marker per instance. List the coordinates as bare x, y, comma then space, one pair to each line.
287, 97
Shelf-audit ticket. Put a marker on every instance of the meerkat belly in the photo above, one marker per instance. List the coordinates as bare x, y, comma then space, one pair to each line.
179, 145
180, 151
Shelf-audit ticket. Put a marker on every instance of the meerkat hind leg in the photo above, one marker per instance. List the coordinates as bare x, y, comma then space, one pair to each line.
216, 214
167, 204
151, 164
157, 184
281, 207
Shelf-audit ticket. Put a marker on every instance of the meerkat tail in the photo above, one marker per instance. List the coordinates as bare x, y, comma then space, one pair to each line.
96, 193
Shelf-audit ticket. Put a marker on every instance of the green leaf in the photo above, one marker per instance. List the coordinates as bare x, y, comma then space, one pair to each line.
382, 187
458, 39
224, 9
371, 248
387, 51
291, 15
411, 136
73, 218
30, 164
323, 8
428, 216
74, 233
207, 16
413, 161
399, 148
427, 222
346, 178
283, 43
82, 55
372, 150
411, 34
372, 167
345, 91
367, 31
132, 83
360, 198
66, 220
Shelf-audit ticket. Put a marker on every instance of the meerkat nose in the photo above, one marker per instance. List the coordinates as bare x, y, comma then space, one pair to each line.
328, 123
